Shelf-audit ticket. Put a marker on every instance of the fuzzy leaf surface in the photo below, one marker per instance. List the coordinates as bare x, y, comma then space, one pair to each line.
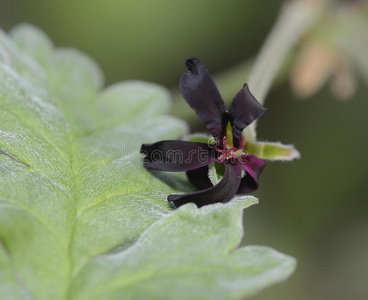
80, 218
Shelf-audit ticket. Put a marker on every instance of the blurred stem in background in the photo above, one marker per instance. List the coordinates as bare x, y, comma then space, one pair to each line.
295, 19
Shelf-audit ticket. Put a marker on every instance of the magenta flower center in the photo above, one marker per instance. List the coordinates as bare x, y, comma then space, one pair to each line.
226, 152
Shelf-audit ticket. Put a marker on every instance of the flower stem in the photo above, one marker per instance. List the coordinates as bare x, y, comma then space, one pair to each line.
295, 19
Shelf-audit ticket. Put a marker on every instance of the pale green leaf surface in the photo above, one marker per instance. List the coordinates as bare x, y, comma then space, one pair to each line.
177, 265
73, 190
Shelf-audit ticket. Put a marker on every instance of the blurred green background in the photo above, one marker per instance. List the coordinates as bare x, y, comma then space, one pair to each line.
313, 209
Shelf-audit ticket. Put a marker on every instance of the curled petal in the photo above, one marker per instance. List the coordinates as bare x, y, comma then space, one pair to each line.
224, 191
199, 178
253, 167
199, 90
243, 110
177, 156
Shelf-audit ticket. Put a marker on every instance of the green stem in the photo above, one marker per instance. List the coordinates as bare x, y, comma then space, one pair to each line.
294, 20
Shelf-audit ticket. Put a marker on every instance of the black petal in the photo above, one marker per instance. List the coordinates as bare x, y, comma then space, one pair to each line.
254, 167
177, 156
243, 110
224, 191
200, 91
199, 178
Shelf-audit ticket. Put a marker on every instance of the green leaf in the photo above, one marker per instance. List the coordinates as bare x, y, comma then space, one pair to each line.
80, 218
178, 265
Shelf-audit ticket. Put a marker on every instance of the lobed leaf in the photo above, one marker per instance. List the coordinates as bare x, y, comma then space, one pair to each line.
80, 218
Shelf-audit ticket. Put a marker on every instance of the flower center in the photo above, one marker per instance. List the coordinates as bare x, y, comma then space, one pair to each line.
226, 152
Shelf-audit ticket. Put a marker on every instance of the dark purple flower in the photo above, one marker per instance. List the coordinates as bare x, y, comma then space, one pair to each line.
200, 91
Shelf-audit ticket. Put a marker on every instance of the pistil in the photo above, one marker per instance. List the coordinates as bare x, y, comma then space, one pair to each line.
226, 153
